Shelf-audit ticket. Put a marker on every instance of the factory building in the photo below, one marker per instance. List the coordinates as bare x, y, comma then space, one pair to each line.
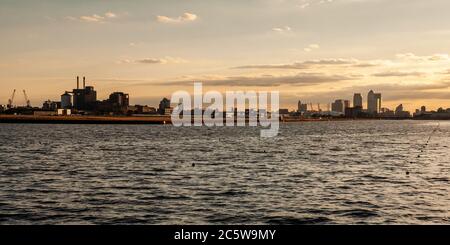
84, 98
51, 105
117, 103
66, 101
119, 99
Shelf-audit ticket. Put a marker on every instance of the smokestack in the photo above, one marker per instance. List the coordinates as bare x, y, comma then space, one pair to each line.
78, 82
84, 83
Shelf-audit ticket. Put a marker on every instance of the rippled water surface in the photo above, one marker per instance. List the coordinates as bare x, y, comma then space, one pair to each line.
312, 173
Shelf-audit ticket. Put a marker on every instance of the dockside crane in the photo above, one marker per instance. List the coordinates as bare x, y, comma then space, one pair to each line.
11, 100
26, 99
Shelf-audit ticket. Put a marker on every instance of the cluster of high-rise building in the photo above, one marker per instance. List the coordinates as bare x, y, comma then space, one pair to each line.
342, 107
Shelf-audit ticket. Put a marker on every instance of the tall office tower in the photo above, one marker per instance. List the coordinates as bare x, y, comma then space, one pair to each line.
357, 101
373, 102
337, 106
346, 104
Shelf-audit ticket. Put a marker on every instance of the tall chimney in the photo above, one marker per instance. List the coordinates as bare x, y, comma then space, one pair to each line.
78, 82
84, 83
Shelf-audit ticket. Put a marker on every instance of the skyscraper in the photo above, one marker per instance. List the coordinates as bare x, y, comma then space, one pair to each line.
357, 100
373, 102
346, 104
338, 106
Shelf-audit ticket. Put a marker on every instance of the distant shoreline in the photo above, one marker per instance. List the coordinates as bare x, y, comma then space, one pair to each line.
84, 119
30, 119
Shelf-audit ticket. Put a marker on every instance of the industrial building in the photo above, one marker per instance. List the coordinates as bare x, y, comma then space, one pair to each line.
117, 103
84, 98
66, 101
51, 105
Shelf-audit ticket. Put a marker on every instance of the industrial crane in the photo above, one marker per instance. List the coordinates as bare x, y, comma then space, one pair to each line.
11, 100
26, 99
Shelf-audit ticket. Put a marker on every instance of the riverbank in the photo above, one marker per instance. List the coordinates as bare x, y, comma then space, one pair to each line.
85, 119
157, 119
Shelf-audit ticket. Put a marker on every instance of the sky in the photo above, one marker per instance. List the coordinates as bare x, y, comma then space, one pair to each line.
310, 50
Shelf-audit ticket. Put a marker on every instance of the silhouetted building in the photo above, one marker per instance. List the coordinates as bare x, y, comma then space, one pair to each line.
163, 105
337, 106
302, 107
51, 105
386, 113
142, 109
399, 109
346, 104
373, 103
119, 99
85, 98
117, 103
423, 109
66, 101
357, 101
399, 112
353, 112
283, 112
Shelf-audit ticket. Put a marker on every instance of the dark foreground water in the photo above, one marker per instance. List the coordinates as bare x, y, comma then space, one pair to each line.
312, 173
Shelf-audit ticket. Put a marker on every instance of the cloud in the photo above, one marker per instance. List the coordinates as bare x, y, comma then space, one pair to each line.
310, 3
398, 74
301, 79
413, 57
110, 15
95, 18
186, 17
304, 64
285, 29
311, 47
150, 61
304, 5
92, 18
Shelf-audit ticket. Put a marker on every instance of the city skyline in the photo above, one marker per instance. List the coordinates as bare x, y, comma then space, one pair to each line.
314, 51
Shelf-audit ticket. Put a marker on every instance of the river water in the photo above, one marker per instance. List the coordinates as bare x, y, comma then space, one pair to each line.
351, 172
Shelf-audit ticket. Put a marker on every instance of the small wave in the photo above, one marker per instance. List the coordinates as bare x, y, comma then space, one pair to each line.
298, 221
360, 213
439, 179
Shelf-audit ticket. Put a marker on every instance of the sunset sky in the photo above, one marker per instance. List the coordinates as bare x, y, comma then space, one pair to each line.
312, 50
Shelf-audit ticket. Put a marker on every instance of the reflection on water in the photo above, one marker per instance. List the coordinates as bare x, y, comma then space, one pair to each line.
313, 173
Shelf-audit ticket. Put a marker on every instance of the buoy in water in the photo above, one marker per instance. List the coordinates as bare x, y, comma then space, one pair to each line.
193, 165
